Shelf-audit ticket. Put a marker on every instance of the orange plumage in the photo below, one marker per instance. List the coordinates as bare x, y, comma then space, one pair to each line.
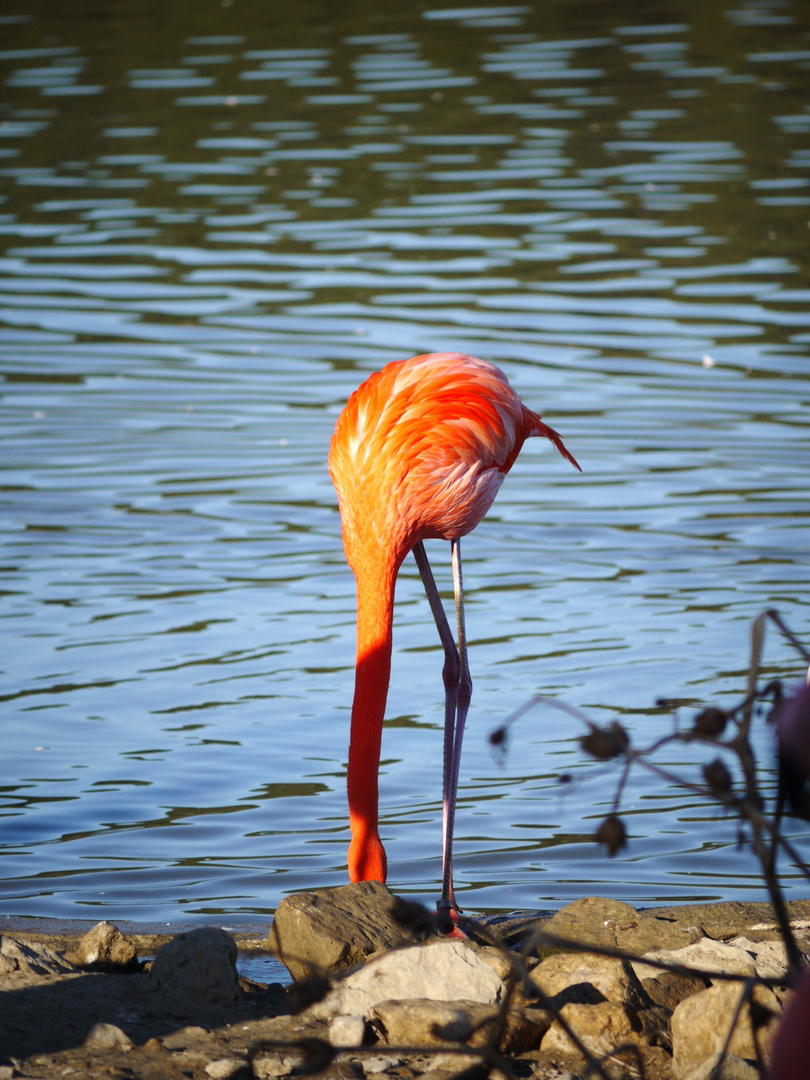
418, 453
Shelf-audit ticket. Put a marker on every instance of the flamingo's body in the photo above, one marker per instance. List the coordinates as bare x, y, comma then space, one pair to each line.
419, 452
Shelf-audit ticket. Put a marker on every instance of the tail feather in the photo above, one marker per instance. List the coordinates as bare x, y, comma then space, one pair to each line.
536, 426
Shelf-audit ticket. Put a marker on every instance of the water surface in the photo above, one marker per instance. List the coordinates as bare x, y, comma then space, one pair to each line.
211, 235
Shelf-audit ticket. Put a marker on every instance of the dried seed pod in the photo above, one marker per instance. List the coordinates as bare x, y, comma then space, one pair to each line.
612, 834
498, 736
605, 743
710, 723
717, 777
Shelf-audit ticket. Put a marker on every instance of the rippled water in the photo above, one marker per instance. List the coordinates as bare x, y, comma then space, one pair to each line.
211, 235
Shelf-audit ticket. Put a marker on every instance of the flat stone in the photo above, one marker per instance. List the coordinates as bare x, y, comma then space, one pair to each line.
331, 930
445, 970
706, 955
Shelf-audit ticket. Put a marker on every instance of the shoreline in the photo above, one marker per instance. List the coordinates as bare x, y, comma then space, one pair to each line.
251, 934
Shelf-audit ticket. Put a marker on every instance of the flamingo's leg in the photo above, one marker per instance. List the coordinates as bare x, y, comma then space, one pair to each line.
457, 690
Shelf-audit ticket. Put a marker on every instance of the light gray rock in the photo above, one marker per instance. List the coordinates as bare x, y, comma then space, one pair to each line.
199, 966
31, 958
107, 1037
447, 970
701, 1023
769, 957
337, 928
347, 1030
105, 948
706, 955
228, 1069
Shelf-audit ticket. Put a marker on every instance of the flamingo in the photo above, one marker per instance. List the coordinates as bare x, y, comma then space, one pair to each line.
419, 452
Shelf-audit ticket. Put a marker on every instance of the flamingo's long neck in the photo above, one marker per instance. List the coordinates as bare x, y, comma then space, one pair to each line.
375, 607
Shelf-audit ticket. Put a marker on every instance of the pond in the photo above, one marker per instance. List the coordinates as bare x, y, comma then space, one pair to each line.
212, 233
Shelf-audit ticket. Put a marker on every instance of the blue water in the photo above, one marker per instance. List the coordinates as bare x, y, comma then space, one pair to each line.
209, 241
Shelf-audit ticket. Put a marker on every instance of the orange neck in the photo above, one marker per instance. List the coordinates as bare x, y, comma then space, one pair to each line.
375, 608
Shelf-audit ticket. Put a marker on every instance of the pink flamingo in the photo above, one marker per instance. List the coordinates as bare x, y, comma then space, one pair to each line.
419, 452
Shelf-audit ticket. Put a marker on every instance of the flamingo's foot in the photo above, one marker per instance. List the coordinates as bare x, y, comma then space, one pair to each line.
448, 917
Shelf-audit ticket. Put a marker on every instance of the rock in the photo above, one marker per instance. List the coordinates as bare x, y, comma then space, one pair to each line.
446, 970
307, 1057
347, 1030
729, 919
31, 958
104, 948
199, 966
706, 955
730, 1067
587, 979
228, 1069
381, 1063
769, 957
602, 1028
525, 1029
336, 928
700, 1025
270, 1066
107, 1037
595, 920
186, 1037
420, 1022
655, 1023
415, 1022
668, 989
